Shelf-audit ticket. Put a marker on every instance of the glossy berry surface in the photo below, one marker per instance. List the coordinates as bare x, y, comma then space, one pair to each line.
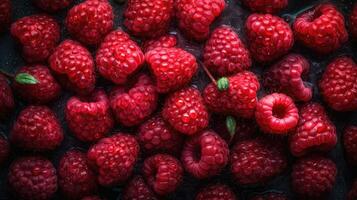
216, 192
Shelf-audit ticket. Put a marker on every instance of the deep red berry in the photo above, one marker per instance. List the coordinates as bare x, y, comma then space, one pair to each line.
338, 85
114, 158
32, 178
353, 21
314, 132
137, 189
216, 192
352, 194
7, 103
288, 76
52, 5
4, 149
266, 6
321, 28
225, 54
163, 173
5, 15
36, 128
165, 41
350, 144
276, 114
270, 196
132, 106
172, 68
269, 37
92, 198
185, 111
38, 35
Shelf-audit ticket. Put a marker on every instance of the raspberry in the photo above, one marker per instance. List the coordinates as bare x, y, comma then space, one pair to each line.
32, 178
225, 54
38, 35
338, 84
216, 192
118, 57
114, 158
132, 106
321, 28
287, 76
269, 37
76, 180
184, 110
353, 21
276, 114
172, 68
313, 176
89, 119
196, 16
44, 91
257, 161
5, 15
239, 99
148, 18
205, 155
270, 196
37, 128
7, 103
137, 189
350, 144
52, 5
4, 149
352, 194
314, 132
266, 6
90, 21
92, 198
165, 41
76, 73
163, 173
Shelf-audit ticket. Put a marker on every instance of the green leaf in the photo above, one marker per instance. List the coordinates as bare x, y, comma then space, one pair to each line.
231, 125
223, 84
25, 78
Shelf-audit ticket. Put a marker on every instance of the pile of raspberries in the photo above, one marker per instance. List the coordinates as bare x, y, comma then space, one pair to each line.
148, 129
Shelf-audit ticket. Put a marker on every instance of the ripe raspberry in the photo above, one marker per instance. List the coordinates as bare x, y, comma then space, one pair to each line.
52, 5
196, 16
313, 176
92, 198
37, 128
216, 192
257, 161
32, 178
165, 41
239, 99
118, 57
321, 28
184, 111
89, 119
350, 144
314, 131
148, 18
352, 194
353, 21
287, 76
137, 189
4, 149
38, 35
74, 66
44, 91
269, 37
270, 196
266, 6
90, 21
156, 135
7, 103
114, 158
338, 84
163, 173
205, 155
172, 68
225, 54
5, 15
133, 105
276, 114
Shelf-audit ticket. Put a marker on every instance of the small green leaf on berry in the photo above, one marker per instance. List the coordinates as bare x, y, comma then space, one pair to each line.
25, 78
223, 84
231, 125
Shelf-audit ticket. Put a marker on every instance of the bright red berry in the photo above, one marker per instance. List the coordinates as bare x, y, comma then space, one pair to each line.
165, 41
4, 149
353, 21
266, 6
216, 192
7, 103
352, 194
52, 5
5, 15
350, 144
270, 196
137, 189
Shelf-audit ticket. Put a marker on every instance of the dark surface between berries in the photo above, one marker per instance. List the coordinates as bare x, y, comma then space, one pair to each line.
234, 15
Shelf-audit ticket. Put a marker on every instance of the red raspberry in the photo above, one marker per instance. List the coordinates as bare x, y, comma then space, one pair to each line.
92, 198
5, 15
114, 158
44, 91
137, 189
239, 99
313, 177
270, 196
184, 110
173, 68
165, 41
338, 84
4, 149
89, 119
90, 21
37, 128
205, 155
52, 5
163, 173
350, 144
287, 76
314, 131
76, 179
156, 135
133, 105
32, 178
225, 54
216, 192
118, 57
257, 161
353, 21
148, 18
352, 194
276, 114
321, 28
7, 103
38, 35
266, 6
74, 66
196, 16
269, 37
